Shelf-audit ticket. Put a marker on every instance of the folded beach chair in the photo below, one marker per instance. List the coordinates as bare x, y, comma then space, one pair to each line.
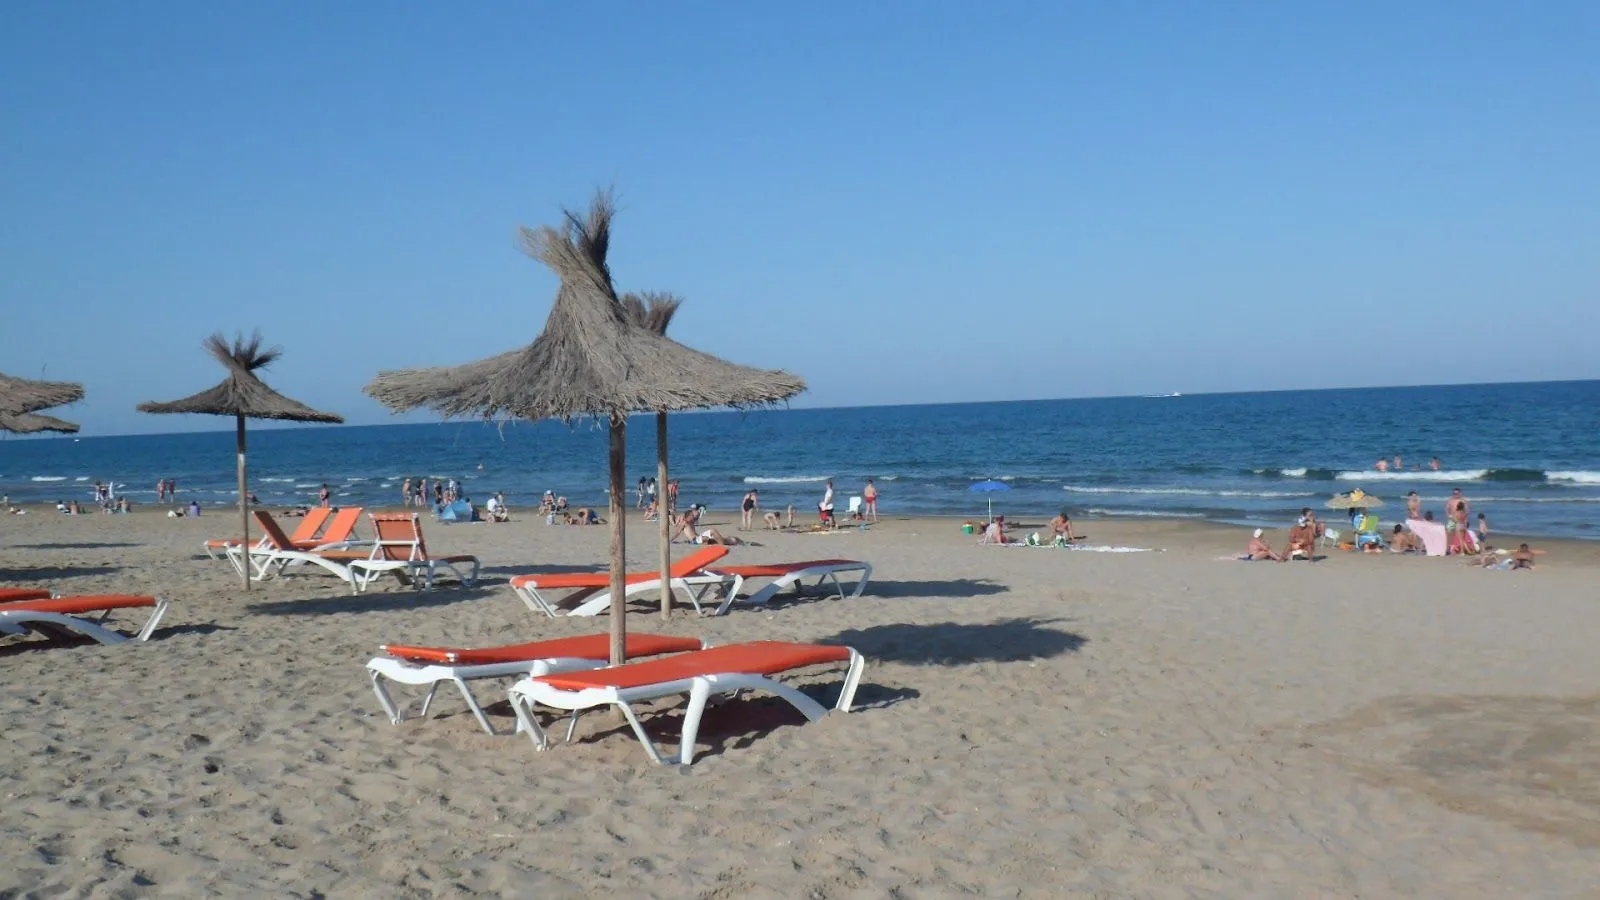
398, 547
700, 674
433, 666
788, 575
14, 595
61, 616
304, 534
277, 552
687, 574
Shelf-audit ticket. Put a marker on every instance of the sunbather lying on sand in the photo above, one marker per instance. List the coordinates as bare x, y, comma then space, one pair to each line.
713, 536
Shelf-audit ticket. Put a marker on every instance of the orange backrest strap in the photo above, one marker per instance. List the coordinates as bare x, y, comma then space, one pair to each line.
310, 524
343, 526
395, 532
274, 534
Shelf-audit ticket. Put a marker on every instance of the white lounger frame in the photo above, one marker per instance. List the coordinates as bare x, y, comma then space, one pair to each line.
432, 675
269, 561
528, 692
21, 621
796, 578
692, 587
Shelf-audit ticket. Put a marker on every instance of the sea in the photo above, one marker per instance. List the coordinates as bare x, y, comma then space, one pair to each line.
1527, 455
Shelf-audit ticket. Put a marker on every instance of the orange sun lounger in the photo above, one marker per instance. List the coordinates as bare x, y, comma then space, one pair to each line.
277, 551
585, 584
700, 674
62, 616
14, 595
786, 574
304, 536
399, 547
433, 666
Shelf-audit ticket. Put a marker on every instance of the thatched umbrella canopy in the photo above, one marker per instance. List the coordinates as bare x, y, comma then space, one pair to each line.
20, 395
242, 395
653, 311
590, 361
31, 423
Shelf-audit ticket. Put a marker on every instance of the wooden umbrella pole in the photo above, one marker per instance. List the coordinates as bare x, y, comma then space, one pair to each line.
663, 515
244, 503
619, 556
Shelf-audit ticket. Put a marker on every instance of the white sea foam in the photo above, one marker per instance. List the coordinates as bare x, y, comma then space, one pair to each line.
1426, 475
1574, 477
317, 486
280, 480
1145, 513
1292, 473
785, 479
81, 478
1187, 492
48, 478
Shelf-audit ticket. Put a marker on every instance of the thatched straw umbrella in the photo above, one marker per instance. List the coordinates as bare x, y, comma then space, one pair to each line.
30, 423
20, 395
244, 396
590, 362
653, 310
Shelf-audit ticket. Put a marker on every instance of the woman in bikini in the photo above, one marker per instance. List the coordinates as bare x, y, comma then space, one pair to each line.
752, 502
869, 498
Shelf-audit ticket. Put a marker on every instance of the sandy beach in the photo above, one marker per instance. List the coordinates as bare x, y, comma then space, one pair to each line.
1032, 723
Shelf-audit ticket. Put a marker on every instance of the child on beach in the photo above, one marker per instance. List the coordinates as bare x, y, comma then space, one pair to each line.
1483, 531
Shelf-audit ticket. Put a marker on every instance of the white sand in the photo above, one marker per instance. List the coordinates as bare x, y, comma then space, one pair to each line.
1033, 723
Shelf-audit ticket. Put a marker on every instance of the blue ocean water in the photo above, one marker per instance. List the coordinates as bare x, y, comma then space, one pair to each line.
1528, 455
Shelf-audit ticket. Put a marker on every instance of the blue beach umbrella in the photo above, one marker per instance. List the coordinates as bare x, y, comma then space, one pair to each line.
989, 487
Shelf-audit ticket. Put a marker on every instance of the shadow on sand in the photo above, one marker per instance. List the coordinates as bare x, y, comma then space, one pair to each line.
53, 639
955, 643
402, 598
50, 573
68, 545
953, 587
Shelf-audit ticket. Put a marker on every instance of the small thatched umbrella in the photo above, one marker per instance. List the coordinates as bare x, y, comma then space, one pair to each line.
244, 396
30, 423
653, 311
20, 395
590, 361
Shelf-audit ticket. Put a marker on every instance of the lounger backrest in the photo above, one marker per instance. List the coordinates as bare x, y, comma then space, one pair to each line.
275, 535
310, 524
398, 537
697, 560
343, 526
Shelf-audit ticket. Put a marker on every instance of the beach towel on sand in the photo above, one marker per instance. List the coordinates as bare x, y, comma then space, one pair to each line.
1432, 534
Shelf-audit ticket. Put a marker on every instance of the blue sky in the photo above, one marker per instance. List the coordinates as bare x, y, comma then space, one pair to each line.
901, 202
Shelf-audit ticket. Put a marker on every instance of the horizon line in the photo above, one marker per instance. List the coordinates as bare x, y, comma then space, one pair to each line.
269, 426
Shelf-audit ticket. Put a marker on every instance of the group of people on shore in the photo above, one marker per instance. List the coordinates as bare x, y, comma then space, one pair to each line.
1459, 538
422, 492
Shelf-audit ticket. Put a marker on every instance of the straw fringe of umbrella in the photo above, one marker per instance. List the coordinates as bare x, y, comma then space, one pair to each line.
32, 423
22, 395
242, 395
590, 361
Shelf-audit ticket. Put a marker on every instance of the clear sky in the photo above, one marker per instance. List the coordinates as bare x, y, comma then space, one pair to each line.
901, 202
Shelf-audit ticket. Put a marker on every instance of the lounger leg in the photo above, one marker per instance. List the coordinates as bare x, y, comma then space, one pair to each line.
837, 587
154, 620
523, 707
733, 586
699, 692
428, 700
395, 718
638, 731
852, 680
477, 710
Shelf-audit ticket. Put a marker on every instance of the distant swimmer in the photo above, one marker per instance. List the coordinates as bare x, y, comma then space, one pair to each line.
1383, 465
1399, 464
1435, 464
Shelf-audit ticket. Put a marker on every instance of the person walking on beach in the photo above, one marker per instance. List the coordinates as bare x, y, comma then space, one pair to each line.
747, 509
172, 489
161, 491
405, 494
1483, 531
1413, 506
650, 492
869, 498
825, 508
639, 502
324, 496
672, 496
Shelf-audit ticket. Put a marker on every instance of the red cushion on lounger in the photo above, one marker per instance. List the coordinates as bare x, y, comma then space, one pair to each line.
755, 658
590, 646
778, 570
12, 595
72, 606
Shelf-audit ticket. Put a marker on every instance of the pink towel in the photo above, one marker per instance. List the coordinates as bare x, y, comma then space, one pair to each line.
1432, 534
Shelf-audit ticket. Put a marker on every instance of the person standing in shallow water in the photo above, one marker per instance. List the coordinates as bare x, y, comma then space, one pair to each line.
405, 494
747, 509
869, 499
